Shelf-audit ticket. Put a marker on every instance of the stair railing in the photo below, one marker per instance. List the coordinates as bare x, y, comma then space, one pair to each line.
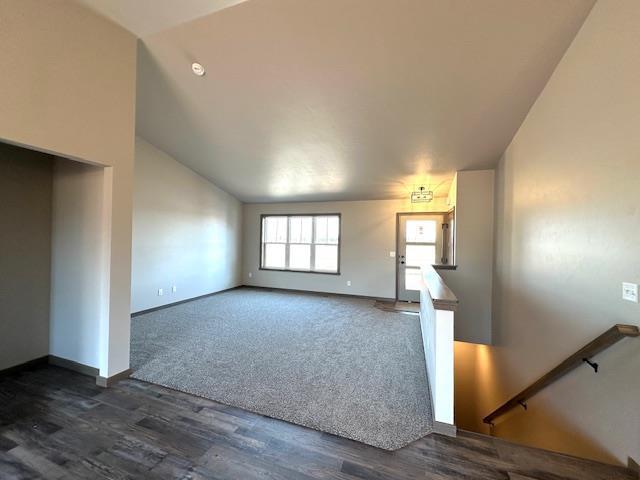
582, 356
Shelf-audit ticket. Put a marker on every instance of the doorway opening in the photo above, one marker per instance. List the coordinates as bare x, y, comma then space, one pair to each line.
55, 253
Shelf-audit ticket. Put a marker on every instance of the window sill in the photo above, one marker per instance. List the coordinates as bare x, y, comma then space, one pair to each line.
298, 271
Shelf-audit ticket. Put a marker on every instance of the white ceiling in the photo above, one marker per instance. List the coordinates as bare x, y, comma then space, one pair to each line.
143, 17
348, 99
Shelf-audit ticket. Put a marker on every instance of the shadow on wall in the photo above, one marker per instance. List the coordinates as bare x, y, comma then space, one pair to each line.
550, 421
541, 426
537, 323
26, 179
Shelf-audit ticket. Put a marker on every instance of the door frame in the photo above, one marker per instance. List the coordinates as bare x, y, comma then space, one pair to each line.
398, 214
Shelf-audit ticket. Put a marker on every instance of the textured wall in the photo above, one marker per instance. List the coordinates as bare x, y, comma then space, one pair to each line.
368, 234
472, 282
25, 254
77, 244
68, 87
568, 233
186, 232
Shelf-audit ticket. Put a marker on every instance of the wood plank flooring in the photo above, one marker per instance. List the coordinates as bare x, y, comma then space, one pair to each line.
55, 424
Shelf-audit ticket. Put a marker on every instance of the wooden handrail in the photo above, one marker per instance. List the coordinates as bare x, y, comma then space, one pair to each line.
604, 341
441, 295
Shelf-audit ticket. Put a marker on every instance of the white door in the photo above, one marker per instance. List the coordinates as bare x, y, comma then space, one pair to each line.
419, 242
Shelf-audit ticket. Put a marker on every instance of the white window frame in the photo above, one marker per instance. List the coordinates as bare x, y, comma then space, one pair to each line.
433, 244
288, 243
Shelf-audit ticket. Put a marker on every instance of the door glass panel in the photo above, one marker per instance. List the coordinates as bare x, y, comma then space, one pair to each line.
300, 257
419, 255
412, 279
421, 231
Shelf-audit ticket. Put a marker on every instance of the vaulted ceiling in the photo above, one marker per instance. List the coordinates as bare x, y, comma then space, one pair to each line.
144, 17
348, 99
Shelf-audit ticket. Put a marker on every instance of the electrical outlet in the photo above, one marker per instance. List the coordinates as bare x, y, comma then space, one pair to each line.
348, 283
174, 289
160, 292
250, 274
630, 292
392, 254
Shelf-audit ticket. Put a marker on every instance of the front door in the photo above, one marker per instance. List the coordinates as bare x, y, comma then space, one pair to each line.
418, 244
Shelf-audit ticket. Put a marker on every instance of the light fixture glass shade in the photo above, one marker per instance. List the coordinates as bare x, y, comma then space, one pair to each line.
422, 196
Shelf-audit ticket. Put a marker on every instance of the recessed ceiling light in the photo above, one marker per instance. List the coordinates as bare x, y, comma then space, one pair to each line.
198, 69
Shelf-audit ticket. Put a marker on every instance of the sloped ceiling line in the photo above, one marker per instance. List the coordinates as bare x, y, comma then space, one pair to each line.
309, 100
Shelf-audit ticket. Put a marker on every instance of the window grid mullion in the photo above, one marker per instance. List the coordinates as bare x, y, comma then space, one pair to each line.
287, 246
312, 249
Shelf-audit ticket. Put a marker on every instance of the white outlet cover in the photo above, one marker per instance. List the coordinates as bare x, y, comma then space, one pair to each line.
160, 292
348, 283
174, 289
392, 254
630, 292
250, 274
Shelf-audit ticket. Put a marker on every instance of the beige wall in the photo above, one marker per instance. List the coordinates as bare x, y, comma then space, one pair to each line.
568, 233
25, 254
186, 232
77, 244
472, 282
68, 87
68, 79
368, 235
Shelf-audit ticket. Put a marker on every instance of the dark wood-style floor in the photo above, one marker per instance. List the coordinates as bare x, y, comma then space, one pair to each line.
57, 424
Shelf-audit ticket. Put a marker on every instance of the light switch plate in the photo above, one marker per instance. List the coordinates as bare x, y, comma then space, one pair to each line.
160, 292
174, 289
630, 292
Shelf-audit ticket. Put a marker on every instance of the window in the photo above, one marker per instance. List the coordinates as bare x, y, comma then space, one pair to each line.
300, 243
421, 242
419, 248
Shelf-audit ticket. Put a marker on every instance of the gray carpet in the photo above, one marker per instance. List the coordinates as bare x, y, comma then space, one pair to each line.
334, 364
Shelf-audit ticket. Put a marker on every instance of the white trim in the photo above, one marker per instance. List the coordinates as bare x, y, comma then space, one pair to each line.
436, 327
